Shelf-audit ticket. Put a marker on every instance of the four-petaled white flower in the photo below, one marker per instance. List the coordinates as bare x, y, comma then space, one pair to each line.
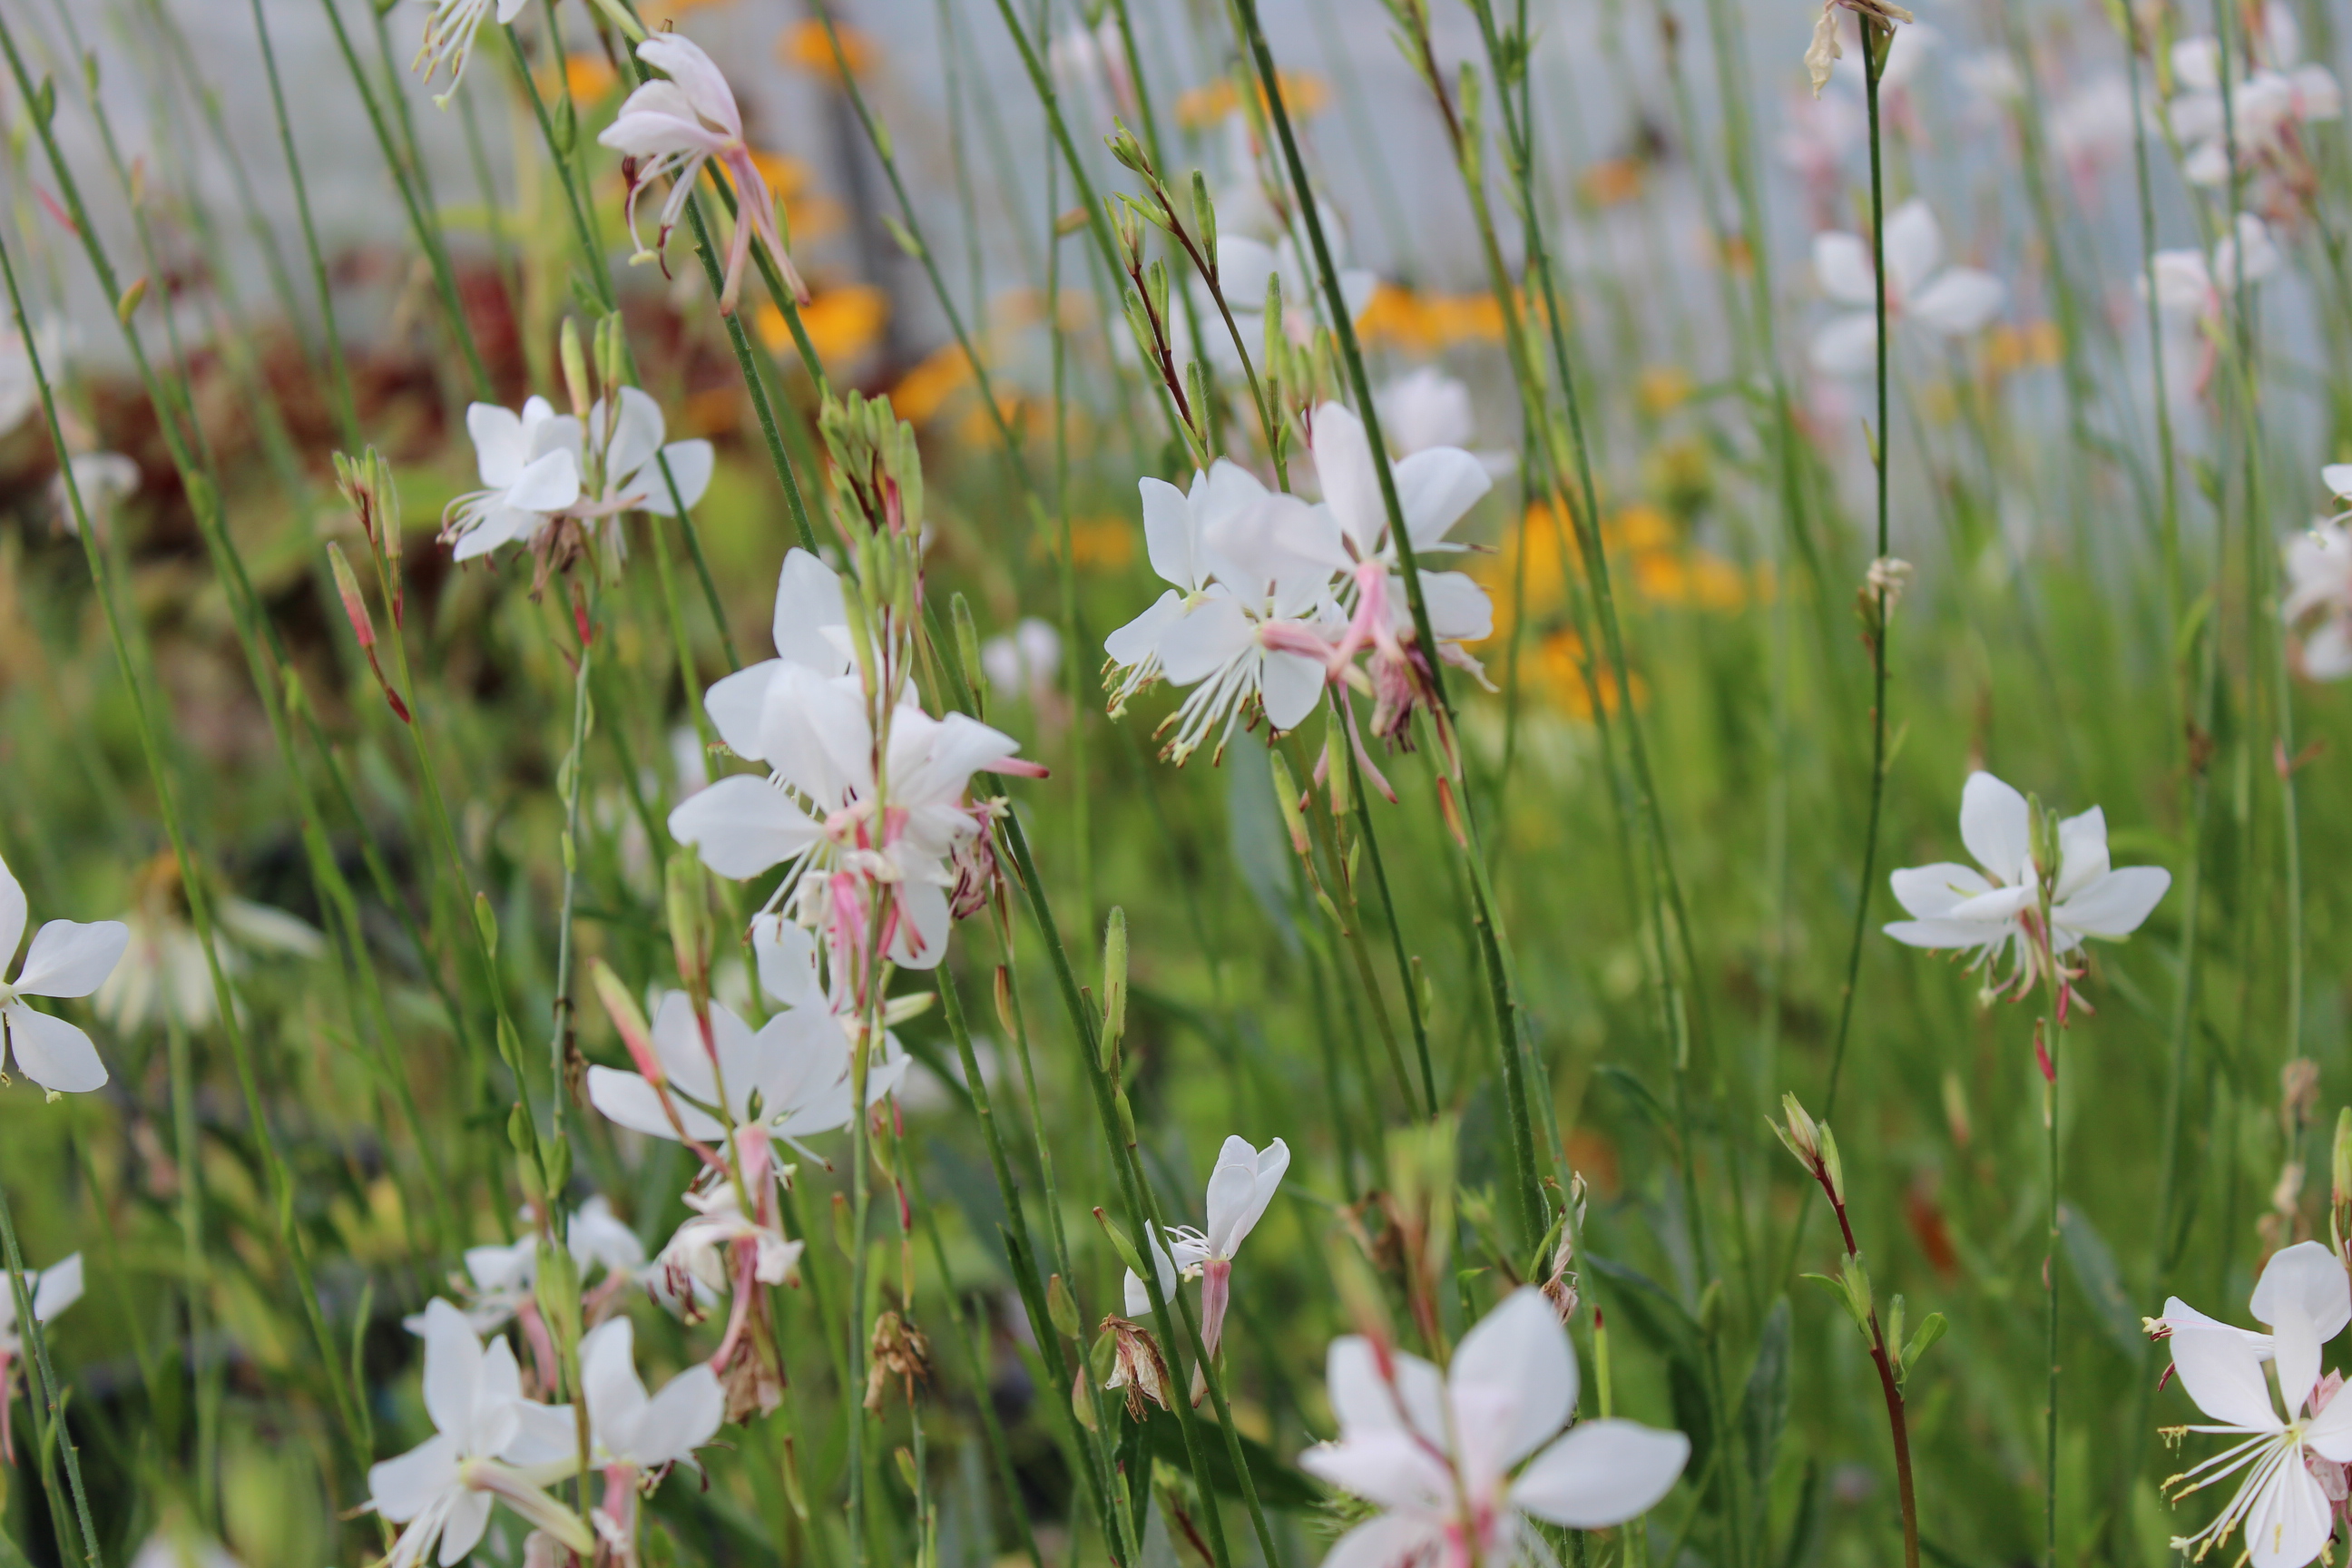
1951, 301
807, 715
2319, 582
490, 1444
52, 1290
1243, 1183
68, 958
1229, 549
530, 464
638, 1439
675, 127
449, 30
1992, 910
1437, 1450
2284, 1508
2266, 106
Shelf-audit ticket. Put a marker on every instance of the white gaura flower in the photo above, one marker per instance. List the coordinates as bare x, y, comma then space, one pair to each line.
1435, 489
638, 1439
2284, 1508
1426, 409
1247, 269
631, 459
719, 1234
52, 1290
1437, 1450
501, 1278
2187, 284
1243, 1183
530, 465
1021, 664
1230, 548
449, 29
165, 974
2268, 106
68, 958
675, 127
1951, 301
807, 715
490, 1444
790, 1078
2319, 582
1992, 910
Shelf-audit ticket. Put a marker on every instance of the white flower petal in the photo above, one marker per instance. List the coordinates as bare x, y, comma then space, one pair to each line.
743, 826
2289, 1522
13, 908
1846, 345
808, 603
1993, 825
70, 959
1914, 246
1435, 489
1842, 268
1520, 1351
1603, 1473
499, 448
1959, 300
548, 483
2115, 904
1930, 892
2309, 1279
453, 1368
2221, 1372
60, 1288
51, 1052
1170, 532
690, 464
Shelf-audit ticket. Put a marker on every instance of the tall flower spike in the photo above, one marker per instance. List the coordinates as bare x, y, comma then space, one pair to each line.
678, 126
67, 959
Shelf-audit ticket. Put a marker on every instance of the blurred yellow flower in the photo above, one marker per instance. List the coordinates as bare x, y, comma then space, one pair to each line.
1559, 671
2029, 347
658, 13
1647, 550
1612, 181
807, 46
1661, 389
1106, 541
586, 79
1203, 108
842, 323
923, 391
1426, 323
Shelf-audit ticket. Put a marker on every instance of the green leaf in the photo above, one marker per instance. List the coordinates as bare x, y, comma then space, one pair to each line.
2093, 1267
1929, 1333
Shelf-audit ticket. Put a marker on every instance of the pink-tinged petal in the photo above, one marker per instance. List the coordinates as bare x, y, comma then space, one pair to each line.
51, 1052
2290, 1520
1233, 1204
547, 483
1961, 300
657, 121
1364, 1404
1944, 933
682, 60
12, 916
743, 826
1994, 825
689, 465
60, 1288
2329, 1433
1140, 638
1434, 490
1390, 1541
1386, 1468
1603, 1473
1343, 466
735, 703
1842, 268
1930, 892
2221, 1372
1211, 634
1520, 1351
1915, 249
404, 1488
499, 448
1169, 533
69, 959
2116, 904
924, 918
1846, 345
2308, 1278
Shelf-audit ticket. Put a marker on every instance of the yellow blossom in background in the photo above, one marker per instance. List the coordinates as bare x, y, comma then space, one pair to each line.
1202, 108
1661, 389
587, 78
1559, 673
1612, 181
658, 15
807, 215
1108, 542
842, 323
1426, 323
2030, 347
923, 391
804, 46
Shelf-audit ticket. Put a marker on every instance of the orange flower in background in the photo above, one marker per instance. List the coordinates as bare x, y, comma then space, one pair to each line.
1613, 182
842, 323
1661, 389
1203, 108
923, 391
659, 13
804, 46
1558, 671
2029, 347
1426, 323
587, 78
1108, 542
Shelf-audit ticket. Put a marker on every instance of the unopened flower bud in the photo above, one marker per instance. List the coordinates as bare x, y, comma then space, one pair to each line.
575, 367
1285, 796
1798, 1132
